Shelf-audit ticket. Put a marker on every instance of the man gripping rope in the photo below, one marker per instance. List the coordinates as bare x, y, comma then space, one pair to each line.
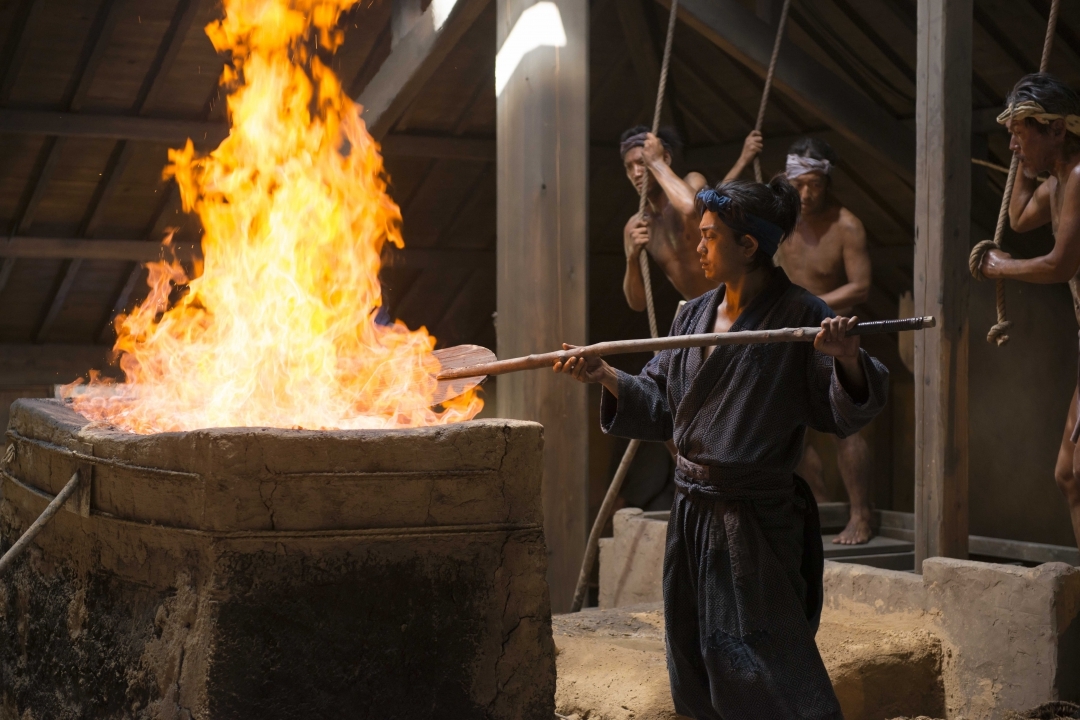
1043, 118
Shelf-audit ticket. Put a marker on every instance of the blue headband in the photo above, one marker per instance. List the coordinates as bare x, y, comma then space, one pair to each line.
766, 233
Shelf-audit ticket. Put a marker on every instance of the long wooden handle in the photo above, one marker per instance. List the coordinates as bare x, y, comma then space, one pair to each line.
622, 347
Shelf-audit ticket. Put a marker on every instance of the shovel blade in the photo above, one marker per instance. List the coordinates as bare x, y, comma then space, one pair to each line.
457, 357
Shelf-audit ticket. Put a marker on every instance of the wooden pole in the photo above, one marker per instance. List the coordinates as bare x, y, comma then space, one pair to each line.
542, 146
942, 228
674, 342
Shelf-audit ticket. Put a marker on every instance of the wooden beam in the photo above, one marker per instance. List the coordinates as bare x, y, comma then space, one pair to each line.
111, 127
808, 83
20, 36
50, 364
412, 62
183, 17
171, 43
404, 14
84, 249
56, 305
942, 221
6, 269
51, 150
542, 133
642, 46
439, 147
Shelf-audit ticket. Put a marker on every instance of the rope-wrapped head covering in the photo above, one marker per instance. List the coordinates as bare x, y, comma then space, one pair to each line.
639, 141
768, 234
800, 165
1032, 109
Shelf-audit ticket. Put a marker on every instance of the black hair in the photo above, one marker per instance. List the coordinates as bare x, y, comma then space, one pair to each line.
1054, 96
668, 135
1050, 92
813, 147
778, 202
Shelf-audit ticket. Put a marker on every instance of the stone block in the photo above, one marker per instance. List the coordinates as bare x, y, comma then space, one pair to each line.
261, 573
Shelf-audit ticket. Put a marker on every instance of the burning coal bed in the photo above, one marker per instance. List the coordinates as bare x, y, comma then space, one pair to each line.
265, 573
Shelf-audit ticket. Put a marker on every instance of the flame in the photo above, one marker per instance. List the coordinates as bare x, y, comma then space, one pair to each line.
278, 329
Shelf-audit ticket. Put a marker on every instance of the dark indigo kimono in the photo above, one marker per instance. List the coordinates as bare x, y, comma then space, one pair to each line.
743, 565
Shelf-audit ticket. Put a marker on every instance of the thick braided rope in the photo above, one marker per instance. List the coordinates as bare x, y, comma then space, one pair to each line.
608, 507
769, 79
999, 333
643, 257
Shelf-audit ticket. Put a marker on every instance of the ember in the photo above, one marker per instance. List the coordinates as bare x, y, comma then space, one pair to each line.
278, 329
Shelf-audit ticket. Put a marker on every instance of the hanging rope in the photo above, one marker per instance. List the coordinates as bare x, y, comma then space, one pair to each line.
643, 257
768, 81
999, 332
592, 547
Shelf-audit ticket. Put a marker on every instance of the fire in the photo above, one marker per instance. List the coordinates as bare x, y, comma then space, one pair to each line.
278, 329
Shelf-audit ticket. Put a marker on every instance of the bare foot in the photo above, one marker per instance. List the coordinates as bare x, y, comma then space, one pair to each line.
857, 532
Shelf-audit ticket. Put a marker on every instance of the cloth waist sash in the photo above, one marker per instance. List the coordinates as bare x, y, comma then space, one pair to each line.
731, 484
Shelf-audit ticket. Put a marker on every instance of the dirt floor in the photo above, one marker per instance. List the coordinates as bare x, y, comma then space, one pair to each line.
611, 666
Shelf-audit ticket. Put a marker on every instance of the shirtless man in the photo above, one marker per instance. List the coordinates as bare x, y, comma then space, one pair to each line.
669, 230
1044, 127
827, 255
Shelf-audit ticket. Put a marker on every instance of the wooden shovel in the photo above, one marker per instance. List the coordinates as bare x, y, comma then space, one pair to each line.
466, 366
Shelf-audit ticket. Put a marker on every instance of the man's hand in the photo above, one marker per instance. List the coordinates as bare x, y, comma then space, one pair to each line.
588, 370
636, 238
833, 339
653, 152
992, 263
751, 146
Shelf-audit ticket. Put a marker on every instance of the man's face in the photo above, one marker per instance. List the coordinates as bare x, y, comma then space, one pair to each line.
812, 188
1036, 150
634, 162
723, 258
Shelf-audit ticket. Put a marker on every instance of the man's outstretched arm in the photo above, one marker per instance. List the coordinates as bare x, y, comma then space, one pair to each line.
680, 192
1063, 260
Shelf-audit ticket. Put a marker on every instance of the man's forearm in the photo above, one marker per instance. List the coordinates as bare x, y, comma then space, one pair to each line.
852, 377
846, 296
1042, 270
736, 169
634, 284
679, 193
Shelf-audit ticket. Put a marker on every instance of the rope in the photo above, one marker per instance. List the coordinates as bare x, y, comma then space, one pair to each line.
999, 333
768, 81
51, 509
608, 506
643, 257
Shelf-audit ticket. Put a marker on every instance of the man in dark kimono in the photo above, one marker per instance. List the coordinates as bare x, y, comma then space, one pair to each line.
743, 565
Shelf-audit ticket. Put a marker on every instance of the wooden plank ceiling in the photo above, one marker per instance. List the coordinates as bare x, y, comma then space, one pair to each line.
133, 77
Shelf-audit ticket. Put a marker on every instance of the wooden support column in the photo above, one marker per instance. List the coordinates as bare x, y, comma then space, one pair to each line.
942, 243
542, 147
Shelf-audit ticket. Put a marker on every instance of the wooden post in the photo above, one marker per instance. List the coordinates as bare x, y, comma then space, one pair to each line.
542, 147
942, 243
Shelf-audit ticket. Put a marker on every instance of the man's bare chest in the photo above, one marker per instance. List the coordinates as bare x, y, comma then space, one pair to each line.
820, 255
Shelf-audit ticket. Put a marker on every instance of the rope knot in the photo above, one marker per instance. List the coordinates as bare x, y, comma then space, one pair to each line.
978, 253
999, 334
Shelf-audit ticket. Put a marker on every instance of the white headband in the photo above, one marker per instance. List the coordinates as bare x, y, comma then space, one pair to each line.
800, 165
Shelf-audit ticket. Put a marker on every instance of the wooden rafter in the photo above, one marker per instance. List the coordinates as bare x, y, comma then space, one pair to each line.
412, 61
153, 81
21, 32
111, 127
815, 88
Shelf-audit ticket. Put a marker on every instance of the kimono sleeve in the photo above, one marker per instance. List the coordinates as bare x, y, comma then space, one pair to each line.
641, 411
832, 409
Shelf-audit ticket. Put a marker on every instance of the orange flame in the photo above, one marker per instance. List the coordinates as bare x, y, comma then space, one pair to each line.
278, 329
